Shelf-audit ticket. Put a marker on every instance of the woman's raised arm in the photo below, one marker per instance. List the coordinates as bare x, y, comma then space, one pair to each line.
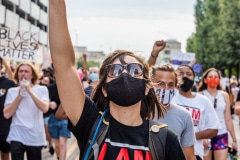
69, 85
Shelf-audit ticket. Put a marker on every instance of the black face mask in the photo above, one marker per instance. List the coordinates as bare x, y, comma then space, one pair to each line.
187, 84
126, 90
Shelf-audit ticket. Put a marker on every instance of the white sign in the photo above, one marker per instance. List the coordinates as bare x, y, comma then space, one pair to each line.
183, 56
18, 45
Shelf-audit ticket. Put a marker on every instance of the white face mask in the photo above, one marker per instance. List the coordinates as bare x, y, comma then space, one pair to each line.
165, 95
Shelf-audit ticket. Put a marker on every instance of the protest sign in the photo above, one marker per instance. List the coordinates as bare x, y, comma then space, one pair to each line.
18, 45
178, 58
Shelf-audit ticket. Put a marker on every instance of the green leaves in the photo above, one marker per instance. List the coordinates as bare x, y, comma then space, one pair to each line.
216, 42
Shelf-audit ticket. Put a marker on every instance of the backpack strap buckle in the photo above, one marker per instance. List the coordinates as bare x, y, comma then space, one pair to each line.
156, 128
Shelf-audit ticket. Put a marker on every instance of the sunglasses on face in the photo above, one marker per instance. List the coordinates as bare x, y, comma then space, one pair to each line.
133, 69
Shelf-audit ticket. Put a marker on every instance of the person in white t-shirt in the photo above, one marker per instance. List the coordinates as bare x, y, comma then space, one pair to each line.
205, 120
164, 78
26, 105
211, 88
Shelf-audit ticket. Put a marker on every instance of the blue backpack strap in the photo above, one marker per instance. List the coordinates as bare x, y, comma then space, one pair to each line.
97, 135
157, 139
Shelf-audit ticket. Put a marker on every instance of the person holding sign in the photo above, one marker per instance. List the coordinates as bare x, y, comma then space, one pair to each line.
26, 104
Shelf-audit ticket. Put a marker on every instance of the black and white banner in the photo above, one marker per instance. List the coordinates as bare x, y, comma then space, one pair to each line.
18, 45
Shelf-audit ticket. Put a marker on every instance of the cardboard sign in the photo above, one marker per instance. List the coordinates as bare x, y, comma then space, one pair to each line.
18, 45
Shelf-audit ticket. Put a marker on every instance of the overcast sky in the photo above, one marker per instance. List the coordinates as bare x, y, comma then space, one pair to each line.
132, 25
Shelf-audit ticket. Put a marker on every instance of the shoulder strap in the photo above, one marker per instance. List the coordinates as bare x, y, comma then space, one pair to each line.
96, 137
157, 139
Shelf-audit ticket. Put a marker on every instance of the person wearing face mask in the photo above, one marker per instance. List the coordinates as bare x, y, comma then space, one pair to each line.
205, 120
46, 82
25, 104
211, 88
179, 120
124, 89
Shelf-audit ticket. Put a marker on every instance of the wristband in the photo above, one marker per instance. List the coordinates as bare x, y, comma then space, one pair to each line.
153, 55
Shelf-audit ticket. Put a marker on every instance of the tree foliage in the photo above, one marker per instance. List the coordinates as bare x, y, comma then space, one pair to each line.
89, 63
216, 42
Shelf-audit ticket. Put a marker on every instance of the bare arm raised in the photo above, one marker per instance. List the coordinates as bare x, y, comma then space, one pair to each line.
157, 47
68, 83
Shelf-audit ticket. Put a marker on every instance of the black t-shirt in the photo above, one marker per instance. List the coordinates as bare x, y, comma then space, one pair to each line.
121, 141
238, 97
5, 84
53, 96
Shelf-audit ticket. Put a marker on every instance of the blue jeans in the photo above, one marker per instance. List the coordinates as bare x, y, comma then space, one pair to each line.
58, 128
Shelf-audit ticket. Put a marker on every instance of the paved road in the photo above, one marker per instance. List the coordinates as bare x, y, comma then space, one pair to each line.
72, 151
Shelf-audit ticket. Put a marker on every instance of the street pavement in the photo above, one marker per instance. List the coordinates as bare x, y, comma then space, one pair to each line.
72, 151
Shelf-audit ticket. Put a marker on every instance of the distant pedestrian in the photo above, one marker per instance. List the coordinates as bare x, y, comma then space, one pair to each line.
211, 88
57, 128
92, 77
46, 81
49, 72
5, 84
205, 120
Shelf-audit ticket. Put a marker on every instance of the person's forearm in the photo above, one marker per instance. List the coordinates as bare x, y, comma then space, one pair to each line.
152, 58
230, 128
60, 114
10, 109
189, 153
8, 69
206, 134
42, 105
85, 68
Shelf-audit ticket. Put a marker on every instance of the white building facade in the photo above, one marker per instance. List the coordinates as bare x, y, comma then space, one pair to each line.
27, 15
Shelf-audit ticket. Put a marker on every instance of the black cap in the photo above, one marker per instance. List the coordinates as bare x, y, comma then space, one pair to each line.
48, 69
